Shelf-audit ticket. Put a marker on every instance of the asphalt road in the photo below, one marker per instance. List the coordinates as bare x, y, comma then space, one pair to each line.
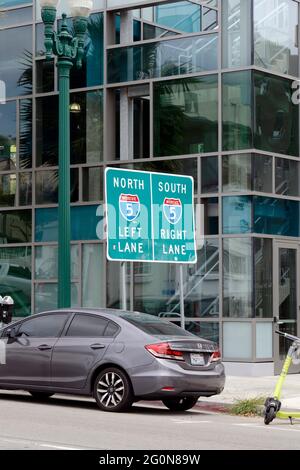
76, 423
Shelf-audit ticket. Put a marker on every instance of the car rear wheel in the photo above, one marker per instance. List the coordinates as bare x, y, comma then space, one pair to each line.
112, 390
41, 395
180, 404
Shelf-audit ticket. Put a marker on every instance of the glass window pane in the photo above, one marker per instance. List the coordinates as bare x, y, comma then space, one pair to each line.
113, 285
91, 72
237, 277
184, 16
237, 214
276, 216
86, 127
211, 215
8, 147
47, 131
93, 281
88, 326
13, 17
237, 340
264, 340
287, 174
25, 189
156, 289
275, 29
237, 173
46, 186
16, 60
15, 272
262, 173
237, 34
44, 76
263, 260
237, 111
25, 154
86, 223
46, 296
8, 190
48, 326
15, 226
201, 283
247, 172
39, 39
209, 175
162, 59
206, 330
209, 19
277, 117
46, 262
92, 184
186, 116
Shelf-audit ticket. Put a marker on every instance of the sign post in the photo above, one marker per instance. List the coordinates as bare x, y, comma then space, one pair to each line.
150, 218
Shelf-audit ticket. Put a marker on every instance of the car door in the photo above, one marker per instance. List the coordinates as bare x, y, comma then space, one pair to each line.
82, 346
28, 355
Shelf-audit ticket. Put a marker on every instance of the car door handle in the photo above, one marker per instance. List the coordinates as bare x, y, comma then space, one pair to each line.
44, 347
97, 346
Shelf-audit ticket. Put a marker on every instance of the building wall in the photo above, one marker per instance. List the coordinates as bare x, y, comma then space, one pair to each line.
205, 92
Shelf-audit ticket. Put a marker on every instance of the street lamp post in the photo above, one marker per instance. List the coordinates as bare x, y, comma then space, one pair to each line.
68, 49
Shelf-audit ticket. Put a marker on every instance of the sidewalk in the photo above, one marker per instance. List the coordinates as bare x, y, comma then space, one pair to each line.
251, 387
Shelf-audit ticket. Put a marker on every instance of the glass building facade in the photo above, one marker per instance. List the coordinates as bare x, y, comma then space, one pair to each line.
207, 89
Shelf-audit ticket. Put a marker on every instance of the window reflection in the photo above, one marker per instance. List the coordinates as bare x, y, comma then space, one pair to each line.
237, 277
201, 283
25, 154
247, 172
277, 118
185, 116
15, 226
163, 59
287, 174
16, 60
156, 289
236, 24
8, 147
263, 260
237, 110
275, 29
15, 278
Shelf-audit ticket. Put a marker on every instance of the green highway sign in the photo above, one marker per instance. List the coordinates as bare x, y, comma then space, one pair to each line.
150, 217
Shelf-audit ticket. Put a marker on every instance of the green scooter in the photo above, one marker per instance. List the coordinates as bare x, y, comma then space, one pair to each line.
273, 404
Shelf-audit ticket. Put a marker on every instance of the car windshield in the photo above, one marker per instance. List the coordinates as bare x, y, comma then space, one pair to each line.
154, 326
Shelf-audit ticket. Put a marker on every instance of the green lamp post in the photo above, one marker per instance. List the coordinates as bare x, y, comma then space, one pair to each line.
69, 49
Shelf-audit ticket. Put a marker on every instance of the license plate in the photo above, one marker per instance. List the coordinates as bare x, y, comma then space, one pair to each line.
197, 360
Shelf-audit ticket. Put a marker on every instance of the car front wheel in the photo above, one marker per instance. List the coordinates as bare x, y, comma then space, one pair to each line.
180, 404
112, 390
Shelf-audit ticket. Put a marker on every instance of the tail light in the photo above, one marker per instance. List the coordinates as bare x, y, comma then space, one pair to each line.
164, 351
216, 356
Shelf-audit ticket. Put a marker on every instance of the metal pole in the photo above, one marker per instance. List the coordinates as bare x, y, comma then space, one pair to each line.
124, 296
182, 322
64, 212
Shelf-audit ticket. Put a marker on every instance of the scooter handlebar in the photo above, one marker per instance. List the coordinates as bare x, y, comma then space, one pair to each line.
288, 336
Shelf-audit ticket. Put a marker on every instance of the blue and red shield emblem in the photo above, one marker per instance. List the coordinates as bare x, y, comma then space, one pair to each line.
172, 210
130, 207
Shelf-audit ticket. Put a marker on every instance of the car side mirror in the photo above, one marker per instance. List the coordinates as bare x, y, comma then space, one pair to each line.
11, 333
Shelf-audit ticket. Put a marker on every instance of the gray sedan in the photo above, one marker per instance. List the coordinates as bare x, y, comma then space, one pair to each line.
118, 357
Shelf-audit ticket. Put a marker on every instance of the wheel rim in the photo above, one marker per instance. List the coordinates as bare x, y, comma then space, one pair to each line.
110, 389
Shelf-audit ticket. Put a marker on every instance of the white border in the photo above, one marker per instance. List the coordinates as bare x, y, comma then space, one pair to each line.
106, 218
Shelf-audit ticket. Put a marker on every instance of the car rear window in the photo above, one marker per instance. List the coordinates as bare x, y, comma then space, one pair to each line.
154, 326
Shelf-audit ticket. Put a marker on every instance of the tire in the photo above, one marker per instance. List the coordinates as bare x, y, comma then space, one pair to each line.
270, 415
180, 403
41, 395
112, 390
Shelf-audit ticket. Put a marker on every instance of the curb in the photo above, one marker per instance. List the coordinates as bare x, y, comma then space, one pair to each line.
218, 407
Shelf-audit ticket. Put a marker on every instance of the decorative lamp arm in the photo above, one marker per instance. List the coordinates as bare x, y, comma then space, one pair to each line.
48, 17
